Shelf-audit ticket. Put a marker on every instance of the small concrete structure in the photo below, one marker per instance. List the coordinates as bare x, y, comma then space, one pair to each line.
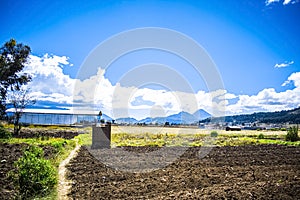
233, 128
101, 136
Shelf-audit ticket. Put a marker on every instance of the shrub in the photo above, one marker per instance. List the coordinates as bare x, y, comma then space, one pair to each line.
4, 133
214, 134
261, 136
43, 138
31, 126
292, 134
34, 175
58, 145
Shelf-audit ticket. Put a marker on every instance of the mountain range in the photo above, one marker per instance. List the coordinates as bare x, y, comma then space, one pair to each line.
179, 118
284, 116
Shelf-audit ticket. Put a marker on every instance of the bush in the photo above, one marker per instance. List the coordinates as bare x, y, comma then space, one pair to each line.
34, 176
261, 136
214, 134
58, 145
292, 134
4, 133
43, 138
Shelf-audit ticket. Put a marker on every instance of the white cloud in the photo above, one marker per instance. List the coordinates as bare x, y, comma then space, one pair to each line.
285, 64
285, 2
50, 84
268, 2
268, 99
294, 78
48, 78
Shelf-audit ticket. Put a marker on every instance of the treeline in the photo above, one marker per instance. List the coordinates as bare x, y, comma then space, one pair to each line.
285, 116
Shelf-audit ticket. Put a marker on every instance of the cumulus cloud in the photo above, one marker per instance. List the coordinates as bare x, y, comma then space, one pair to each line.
285, 64
48, 80
268, 99
293, 78
50, 84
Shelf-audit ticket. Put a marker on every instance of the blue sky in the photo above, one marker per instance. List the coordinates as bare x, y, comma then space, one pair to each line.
254, 44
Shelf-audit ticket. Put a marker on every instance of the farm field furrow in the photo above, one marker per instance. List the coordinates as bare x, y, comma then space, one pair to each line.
239, 172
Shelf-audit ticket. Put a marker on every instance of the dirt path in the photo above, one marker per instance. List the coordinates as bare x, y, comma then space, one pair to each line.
64, 184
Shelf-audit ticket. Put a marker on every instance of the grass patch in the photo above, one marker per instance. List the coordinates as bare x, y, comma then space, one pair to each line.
34, 175
62, 148
279, 142
84, 139
4, 133
196, 139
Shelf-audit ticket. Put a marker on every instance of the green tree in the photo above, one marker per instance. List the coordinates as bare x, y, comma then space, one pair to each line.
13, 57
292, 134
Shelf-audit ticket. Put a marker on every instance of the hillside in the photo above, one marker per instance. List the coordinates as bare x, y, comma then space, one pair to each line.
128, 120
201, 114
285, 116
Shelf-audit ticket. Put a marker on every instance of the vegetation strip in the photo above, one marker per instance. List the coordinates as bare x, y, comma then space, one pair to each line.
166, 138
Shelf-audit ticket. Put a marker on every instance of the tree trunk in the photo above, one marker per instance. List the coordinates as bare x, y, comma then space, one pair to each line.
17, 126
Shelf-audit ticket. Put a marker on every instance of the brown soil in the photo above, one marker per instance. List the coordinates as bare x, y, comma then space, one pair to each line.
9, 154
244, 172
30, 133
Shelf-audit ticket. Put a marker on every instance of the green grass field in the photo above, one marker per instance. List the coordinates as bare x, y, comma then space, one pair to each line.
161, 136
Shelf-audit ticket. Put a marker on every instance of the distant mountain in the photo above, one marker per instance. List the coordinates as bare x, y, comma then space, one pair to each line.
285, 116
201, 114
127, 120
159, 120
181, 118
147, 120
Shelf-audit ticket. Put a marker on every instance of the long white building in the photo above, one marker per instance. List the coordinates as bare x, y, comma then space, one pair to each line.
57, 117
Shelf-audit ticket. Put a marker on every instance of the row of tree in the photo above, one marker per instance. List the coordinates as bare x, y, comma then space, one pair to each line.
13, 81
